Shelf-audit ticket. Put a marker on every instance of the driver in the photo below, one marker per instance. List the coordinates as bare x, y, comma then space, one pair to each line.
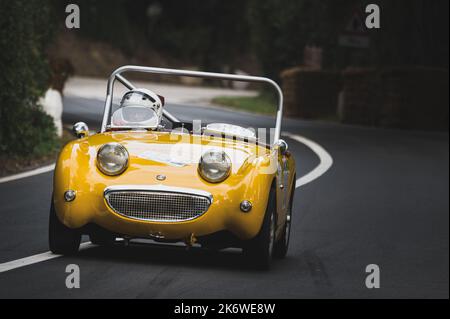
139, 108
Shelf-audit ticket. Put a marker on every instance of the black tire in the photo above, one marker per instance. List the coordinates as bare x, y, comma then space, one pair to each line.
102, 237
62, 239
259, 250
282, 245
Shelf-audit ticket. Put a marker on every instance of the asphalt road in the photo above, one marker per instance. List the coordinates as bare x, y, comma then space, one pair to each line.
384, 201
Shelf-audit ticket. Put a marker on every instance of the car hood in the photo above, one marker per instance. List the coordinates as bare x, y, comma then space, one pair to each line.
177, 150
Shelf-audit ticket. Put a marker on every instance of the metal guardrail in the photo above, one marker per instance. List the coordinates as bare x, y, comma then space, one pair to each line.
117, 75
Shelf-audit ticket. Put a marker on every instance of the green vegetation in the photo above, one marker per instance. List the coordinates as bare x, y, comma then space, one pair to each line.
280, 31
12, 164
215, 34
262, 104
25, 31
208, 34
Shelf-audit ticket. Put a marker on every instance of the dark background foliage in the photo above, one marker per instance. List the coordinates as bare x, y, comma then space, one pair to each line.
215, 33
411, 33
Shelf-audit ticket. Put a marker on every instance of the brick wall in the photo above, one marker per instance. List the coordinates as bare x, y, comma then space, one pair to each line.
397, 97
310, 93
401, 97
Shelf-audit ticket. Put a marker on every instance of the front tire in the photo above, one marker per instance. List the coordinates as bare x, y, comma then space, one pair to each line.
259, 250
281, 246
62, 239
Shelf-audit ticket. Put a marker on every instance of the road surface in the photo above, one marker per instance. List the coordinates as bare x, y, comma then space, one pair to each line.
384, 201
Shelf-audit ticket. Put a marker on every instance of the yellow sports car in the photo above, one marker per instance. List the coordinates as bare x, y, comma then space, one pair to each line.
148, 175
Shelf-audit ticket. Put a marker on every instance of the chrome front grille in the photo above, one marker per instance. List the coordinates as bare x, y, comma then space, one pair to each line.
156, 205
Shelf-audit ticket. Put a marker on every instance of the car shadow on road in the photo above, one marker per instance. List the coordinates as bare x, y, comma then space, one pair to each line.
168, 255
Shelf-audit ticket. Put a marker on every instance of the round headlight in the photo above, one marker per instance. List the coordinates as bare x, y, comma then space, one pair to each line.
112, 159
214, 166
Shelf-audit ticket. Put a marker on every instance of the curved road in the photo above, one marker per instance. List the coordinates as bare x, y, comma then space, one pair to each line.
384, 201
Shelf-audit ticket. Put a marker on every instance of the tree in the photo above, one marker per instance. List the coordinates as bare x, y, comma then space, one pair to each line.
411, 33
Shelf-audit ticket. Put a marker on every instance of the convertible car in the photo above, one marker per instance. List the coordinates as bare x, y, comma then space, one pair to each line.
147, 175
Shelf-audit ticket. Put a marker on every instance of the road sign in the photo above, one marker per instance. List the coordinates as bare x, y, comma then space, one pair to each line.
355, 34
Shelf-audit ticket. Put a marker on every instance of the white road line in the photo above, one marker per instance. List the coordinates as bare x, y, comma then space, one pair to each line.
10, 265
36, 171
326, 161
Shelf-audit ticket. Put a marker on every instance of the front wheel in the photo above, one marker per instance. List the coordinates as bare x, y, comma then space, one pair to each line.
259, 250
281, 246
62, 239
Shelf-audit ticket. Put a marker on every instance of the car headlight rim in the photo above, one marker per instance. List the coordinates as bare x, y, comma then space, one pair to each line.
224, 174
121, 167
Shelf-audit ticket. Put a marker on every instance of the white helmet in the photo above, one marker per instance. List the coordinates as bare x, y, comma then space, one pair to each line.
139, 108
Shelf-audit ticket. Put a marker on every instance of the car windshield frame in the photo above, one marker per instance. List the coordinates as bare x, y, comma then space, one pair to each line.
117, 75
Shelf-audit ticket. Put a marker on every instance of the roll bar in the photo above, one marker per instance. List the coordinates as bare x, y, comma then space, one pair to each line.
117, 75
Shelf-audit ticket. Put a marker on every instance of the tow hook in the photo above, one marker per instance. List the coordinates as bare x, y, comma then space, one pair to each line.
190, 241
126, 241
156, 235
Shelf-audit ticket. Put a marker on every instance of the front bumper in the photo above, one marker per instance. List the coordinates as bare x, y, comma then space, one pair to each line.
223, 214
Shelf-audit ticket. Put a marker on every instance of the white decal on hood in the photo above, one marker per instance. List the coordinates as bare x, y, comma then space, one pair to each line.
161, 158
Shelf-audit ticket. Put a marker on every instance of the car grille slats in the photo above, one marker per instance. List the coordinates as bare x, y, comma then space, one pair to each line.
157, 205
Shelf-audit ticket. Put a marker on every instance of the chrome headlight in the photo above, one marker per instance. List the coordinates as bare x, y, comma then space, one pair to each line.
112, 159
214, 166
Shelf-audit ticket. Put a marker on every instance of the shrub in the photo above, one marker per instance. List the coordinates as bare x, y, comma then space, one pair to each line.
25, 31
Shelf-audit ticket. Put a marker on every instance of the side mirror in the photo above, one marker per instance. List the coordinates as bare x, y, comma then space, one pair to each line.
282, 146
80, 129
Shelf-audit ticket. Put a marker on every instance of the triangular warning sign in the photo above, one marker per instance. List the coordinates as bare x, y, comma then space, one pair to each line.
356, 24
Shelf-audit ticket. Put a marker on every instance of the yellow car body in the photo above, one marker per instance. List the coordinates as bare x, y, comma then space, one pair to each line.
255, 170
217, 185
